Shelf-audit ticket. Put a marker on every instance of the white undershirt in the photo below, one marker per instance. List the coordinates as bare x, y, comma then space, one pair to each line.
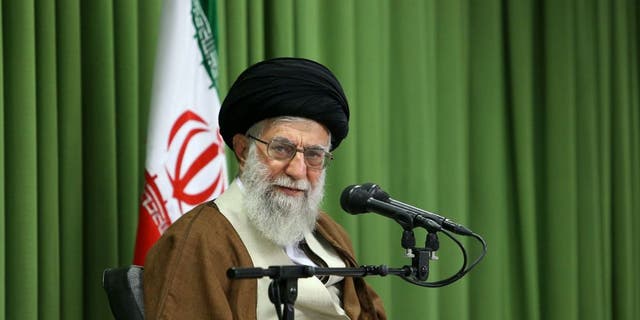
298, 256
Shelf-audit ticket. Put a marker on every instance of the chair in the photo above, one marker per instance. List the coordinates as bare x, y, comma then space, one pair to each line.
124, 290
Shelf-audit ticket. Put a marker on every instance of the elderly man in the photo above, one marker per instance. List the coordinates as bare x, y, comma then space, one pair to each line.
282, 118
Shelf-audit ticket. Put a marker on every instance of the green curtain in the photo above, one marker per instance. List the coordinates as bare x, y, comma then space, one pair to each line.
517, 118
76, 79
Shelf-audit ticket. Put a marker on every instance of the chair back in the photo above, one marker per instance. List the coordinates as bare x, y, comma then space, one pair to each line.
124, 290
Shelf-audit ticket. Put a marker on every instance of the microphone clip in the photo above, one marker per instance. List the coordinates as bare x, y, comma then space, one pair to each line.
420, 256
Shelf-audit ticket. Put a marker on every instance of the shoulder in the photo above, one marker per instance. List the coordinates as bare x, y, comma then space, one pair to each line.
203, 231
202, 223
199, 218
189, 263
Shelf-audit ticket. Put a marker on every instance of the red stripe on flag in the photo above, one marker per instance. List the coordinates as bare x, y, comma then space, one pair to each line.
153, 219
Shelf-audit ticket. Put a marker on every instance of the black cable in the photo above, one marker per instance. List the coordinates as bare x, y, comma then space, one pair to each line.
484, 251
463, 270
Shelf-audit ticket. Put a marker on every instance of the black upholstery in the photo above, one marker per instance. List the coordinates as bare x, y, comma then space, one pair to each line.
124, 290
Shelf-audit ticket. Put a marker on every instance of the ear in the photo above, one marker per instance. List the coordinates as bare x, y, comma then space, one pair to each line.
240, 148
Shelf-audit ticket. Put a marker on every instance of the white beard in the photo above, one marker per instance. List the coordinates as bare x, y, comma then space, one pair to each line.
280, 218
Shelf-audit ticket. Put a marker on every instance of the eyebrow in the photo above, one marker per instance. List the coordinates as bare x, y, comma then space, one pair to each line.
315, 146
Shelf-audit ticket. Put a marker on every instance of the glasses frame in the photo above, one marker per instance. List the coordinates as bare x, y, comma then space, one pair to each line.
328, 156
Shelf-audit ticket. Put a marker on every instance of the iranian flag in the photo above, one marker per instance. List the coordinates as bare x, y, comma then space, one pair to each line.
185, 163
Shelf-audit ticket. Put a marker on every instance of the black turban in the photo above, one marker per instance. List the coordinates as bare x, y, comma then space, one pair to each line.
285, 87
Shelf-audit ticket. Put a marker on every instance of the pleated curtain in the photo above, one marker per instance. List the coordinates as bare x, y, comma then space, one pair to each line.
517, 118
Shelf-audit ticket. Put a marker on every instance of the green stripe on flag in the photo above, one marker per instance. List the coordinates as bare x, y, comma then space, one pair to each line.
206, 41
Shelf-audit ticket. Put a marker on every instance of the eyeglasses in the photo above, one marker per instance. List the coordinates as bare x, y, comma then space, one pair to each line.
284, 150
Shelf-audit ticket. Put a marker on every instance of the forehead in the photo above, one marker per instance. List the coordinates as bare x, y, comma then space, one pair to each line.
299, 131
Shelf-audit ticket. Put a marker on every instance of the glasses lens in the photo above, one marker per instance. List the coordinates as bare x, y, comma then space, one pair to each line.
314, 157
281, 150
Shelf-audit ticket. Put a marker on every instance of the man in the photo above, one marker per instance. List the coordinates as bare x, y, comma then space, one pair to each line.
282, 118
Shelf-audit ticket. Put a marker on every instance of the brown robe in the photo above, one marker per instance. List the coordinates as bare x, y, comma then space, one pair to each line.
185, 271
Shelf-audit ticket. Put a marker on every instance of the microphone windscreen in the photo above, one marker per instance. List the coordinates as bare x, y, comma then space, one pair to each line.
375, 191
354, 199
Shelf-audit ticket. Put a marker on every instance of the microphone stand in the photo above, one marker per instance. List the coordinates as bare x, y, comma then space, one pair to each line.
283, 289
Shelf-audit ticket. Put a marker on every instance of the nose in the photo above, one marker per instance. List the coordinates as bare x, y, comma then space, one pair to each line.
297, 168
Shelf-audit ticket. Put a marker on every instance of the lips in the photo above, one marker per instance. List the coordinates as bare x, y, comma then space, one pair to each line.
291, 190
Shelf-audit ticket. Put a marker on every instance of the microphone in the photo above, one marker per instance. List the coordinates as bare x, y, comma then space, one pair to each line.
369, 197
356, 200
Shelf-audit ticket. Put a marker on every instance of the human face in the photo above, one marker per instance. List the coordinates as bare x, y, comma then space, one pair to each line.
280, 218
302, 133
